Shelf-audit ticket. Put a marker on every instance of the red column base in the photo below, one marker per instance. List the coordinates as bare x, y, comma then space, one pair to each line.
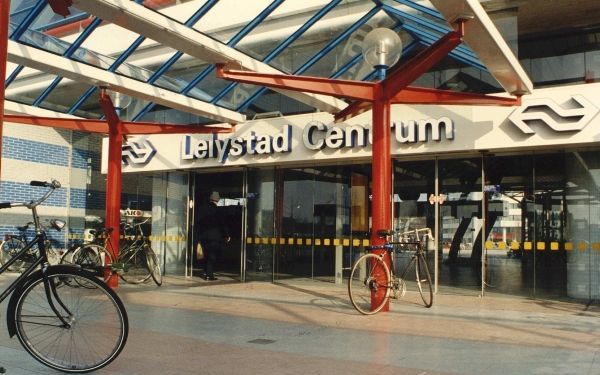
378, 296
111, 278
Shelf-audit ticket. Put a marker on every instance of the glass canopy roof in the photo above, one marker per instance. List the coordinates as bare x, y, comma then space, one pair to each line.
58, 62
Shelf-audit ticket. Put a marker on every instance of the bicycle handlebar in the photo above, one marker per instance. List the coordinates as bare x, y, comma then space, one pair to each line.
52, 185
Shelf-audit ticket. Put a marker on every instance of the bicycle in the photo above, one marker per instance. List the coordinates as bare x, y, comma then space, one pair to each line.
11, 245
137, 259
136, 263
14, 242
63, 325
370, 273
92, 255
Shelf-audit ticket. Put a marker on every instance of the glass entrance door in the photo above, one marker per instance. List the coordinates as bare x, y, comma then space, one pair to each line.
313, 223
461, 225
510, 215
231, 207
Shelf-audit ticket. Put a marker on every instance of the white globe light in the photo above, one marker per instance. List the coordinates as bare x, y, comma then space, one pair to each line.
382, 48
120, 101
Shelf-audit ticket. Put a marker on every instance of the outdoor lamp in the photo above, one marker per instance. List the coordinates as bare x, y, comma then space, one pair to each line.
381, 49
120, 101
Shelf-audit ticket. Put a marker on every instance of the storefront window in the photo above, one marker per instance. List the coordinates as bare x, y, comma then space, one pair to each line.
582, 240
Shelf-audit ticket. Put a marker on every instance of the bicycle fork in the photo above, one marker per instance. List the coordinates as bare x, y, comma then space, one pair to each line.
50, 290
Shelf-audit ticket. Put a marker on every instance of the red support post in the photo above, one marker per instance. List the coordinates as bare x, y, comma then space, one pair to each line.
381, 180
4, 19
113, 176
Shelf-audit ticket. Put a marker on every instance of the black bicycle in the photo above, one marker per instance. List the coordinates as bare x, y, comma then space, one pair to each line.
370, 274
63, 315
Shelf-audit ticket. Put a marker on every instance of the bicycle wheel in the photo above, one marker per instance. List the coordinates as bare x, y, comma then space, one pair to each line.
8, 250
363, 282
153, 266
97, 321
424, 280
93, 258
135, 266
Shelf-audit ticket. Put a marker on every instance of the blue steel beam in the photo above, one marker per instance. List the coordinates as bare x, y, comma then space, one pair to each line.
231, 43
64, 21
439, 29
431, 12
68, 53
131, 49
325, 50
177, 55
24, 25
286, 43
114, 66
22, 10
13, 75
455, 54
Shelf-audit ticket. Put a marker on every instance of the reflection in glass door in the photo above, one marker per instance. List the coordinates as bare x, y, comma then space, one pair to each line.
414, 183
259, 249
510, 216
461, 224
526, 211
314, 216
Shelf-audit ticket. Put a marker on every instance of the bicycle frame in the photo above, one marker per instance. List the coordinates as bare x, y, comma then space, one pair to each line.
41, 259
39, 238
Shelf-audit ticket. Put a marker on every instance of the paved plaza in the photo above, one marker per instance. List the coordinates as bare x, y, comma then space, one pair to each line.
227, 327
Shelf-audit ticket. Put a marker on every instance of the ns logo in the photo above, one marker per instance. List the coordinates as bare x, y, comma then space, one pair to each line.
139, 151
553, 115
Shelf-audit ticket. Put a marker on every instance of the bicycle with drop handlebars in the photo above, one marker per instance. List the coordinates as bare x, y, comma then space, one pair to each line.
370, 274
63, 315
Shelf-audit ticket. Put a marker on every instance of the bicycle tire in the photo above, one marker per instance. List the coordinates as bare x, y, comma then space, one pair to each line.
153, 266
135, 269
363, 283
8, 249
424, 280
92, 257
99, 324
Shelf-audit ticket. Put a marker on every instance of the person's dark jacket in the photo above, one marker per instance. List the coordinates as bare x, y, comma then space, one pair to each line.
212, 224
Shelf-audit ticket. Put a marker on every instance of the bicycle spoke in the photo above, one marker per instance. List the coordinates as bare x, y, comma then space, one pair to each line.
369, 276
96, 330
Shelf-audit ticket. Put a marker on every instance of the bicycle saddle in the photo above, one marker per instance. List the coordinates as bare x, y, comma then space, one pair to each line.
24, 227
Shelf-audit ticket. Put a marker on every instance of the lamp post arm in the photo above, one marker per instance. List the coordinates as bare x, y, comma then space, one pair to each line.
357, 90
419, 64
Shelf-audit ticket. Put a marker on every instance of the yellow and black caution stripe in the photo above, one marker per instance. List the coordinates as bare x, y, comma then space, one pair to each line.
162, 238
300, 241
544, 246
357, 242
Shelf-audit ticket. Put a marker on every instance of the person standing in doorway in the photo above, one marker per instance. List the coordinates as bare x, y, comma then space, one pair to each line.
213, 234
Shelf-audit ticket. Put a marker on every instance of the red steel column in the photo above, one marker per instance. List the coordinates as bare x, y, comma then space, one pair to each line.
113, 189
4, 19
381, 180
113, 176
